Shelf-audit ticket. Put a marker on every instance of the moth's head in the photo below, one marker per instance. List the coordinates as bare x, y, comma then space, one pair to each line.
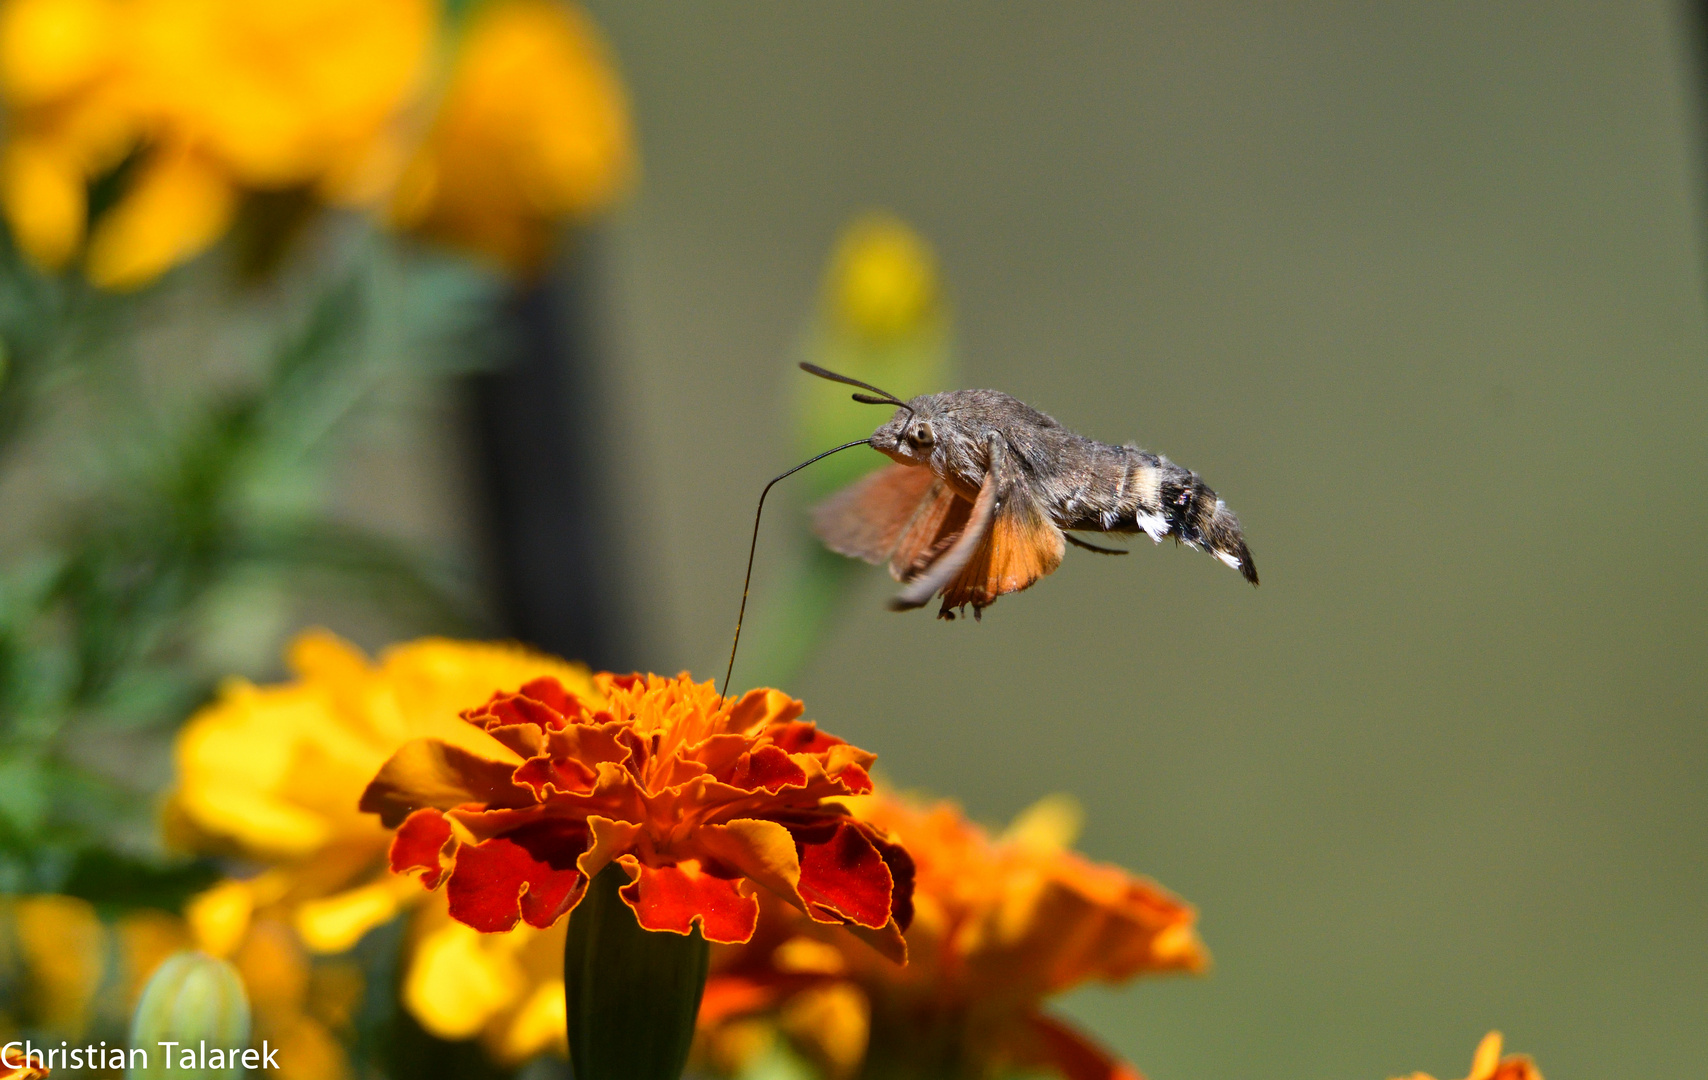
914, 430
911, 434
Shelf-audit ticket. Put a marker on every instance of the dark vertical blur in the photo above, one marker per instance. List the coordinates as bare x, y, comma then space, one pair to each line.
1695, 34
555, 569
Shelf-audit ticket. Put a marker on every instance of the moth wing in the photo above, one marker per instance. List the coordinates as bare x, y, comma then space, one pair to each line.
867, 519
941, 518
927, 580
1023, 545
1006, 543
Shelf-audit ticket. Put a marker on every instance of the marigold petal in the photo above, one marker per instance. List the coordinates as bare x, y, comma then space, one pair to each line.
42, 193
220, 917
420, 844
729, 996
552, 693
518, 721
902, 873
674, 898
176, 207
845, 875
546, 775
428, 772
336, 923
768, 768
538, 1026
610, 839
764, 706
587, 744
803, 737
847, 765
529, 874
887, 941
454, 985
1053, 1044
762, 850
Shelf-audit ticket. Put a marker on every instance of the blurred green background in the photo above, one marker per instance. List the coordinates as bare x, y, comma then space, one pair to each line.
1416, 287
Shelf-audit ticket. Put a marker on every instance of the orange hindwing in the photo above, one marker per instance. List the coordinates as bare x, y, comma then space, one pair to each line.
1022, 546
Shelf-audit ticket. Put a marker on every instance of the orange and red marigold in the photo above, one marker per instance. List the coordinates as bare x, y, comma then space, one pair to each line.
697, 797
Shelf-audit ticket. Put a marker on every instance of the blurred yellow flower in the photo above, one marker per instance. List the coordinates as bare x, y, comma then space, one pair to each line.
63, 949
214, 96
882, 282
70, 974
533, 127
211, 99
881, 318
506, 988
274, 774
79, 976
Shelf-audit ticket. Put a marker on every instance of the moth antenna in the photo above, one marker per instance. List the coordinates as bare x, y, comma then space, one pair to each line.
884, 396
753, 546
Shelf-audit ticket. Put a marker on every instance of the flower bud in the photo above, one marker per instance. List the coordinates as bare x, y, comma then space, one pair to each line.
197, 1002
883, 319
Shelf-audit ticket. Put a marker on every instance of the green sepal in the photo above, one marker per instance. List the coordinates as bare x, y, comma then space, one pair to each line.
632, 994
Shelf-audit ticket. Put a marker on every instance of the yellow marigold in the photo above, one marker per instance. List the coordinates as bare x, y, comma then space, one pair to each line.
1488, 1064
507, 989
533, 127
999, 925
216, 97
274, 773
71, 116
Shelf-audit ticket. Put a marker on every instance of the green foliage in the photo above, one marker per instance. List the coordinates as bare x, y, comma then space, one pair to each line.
171, 509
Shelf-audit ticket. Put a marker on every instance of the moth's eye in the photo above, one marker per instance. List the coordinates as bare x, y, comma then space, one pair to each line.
921, 435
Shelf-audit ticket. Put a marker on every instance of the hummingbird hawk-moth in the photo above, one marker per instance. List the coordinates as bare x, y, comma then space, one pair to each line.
985, 493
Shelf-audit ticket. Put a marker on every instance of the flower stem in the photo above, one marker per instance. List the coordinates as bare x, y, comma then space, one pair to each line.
632, 994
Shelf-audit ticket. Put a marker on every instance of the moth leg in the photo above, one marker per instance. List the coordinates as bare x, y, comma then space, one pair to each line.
1078, 543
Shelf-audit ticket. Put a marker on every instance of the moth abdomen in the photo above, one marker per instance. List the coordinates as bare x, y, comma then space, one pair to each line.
1198, 518
1148, 493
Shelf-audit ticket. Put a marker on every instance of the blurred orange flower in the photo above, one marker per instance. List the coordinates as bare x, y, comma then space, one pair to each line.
699, 798
1488, 1064
20, 1071
533, 128
1000, 925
